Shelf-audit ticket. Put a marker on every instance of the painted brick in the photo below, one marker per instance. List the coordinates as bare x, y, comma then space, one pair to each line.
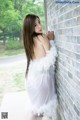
64, 19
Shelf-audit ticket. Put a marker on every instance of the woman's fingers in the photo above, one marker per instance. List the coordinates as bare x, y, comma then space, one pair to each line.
50, 35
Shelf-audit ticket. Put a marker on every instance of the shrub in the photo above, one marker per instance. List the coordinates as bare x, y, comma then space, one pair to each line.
13, 44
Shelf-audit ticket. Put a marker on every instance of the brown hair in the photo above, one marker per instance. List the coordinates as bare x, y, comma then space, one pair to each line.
27, 34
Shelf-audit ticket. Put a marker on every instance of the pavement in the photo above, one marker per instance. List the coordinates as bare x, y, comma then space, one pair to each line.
15, 104
12, 59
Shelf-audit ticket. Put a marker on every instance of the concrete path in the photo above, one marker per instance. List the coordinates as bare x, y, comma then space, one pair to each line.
12, 59
15, 103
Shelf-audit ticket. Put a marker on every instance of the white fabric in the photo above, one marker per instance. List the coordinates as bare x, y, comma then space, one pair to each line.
40, 84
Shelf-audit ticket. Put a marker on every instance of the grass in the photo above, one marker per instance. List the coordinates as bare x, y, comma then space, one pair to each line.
12, 78
4, 52
13, 44
18, 78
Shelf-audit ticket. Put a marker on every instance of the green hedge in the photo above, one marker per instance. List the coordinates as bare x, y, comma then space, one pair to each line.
13, 44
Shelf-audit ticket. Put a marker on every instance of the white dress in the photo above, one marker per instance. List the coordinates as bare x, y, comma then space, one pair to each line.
40, 84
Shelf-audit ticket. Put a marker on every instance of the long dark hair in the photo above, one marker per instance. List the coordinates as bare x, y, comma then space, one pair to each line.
28, 34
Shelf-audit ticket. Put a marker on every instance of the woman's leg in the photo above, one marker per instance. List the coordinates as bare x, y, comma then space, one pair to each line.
31, 116
40, 117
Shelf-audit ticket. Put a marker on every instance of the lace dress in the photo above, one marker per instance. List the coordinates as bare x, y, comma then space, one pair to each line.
40, 84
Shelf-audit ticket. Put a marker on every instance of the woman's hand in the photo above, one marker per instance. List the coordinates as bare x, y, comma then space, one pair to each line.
50, 35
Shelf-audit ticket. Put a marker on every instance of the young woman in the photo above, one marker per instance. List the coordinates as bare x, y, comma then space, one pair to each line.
41, 55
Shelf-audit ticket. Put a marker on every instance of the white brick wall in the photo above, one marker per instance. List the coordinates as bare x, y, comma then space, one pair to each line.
64, 19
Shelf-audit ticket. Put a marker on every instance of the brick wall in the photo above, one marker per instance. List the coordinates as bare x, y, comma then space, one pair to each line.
64, 19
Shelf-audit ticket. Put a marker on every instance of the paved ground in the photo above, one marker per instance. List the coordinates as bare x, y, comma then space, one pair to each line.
14, 104
12, 59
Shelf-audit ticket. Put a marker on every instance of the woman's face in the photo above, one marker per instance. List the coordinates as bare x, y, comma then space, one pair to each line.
38, 26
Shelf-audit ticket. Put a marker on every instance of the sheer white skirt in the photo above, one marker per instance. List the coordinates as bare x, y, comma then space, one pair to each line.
40, 90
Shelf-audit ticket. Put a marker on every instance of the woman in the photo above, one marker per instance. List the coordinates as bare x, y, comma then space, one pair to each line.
40, 82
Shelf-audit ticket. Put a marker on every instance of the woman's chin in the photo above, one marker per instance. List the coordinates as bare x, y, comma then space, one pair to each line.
40, 32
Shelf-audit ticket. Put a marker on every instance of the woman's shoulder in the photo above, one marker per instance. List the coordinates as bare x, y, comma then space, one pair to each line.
42, 37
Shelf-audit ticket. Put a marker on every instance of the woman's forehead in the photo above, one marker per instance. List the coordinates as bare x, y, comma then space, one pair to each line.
37, 19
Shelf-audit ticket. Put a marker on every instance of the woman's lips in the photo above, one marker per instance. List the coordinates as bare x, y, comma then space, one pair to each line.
40, 30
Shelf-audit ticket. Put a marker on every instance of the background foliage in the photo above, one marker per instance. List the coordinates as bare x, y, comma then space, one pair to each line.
12, 13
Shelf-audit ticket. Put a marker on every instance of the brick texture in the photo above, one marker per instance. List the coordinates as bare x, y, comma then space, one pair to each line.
64, 19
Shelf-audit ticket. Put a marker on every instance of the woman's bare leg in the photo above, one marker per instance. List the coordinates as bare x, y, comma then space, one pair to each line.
31, 116
40, 117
